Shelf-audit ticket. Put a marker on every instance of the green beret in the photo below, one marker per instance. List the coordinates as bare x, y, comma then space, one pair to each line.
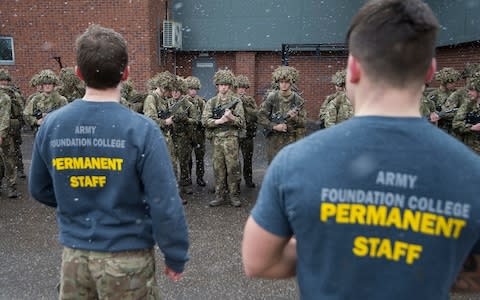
47, 77
339, 78
223, 77
4, 75
285, 73
193, 83
242, 81
447, 75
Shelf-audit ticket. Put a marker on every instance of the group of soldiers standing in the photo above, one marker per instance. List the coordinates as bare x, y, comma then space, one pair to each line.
228, 120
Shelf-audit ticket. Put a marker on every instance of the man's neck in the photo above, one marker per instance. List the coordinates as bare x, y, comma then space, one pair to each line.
96, 95
377, 100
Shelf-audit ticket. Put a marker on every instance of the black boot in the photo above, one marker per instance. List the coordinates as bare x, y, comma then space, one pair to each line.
249, 183
200, 182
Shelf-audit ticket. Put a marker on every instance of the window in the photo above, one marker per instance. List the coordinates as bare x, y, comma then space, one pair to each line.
7, 56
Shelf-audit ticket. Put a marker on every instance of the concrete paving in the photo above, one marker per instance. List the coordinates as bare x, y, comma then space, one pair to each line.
30, 254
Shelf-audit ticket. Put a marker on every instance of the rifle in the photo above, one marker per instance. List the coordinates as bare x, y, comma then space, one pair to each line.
279, 118
38, 114
218, 111
171, 111
442, 114
472, 118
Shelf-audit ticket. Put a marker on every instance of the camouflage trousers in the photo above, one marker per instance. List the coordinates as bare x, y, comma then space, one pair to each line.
276, 141
183, 151
8, 168
198, 145
17, 142
171, 151
106, 275
246, 145
226, 165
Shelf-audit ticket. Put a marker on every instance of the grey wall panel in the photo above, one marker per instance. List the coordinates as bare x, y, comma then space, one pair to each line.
242, 25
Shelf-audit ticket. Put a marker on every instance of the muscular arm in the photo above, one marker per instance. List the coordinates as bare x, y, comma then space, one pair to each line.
266, 255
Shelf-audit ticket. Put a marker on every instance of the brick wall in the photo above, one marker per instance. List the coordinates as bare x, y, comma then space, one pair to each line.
43, 29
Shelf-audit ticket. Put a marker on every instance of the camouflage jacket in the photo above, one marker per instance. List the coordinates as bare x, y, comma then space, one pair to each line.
42, 104
460, 124
152, 106
72, 94
232, 128
321, 114
199, 103
17, 103
185, 118
439, 97
278, 106
427, 106
250, 110
5, 110
338, 110
455, 100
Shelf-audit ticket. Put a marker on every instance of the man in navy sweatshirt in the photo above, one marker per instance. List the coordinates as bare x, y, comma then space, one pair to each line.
107, 171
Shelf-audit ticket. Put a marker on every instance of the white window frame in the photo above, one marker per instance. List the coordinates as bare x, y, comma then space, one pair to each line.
8, 61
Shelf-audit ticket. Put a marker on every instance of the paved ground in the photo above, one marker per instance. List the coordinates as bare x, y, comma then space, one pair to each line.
30, 254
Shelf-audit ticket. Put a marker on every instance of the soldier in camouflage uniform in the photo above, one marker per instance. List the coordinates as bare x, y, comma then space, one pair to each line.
198, 138
131, 98
246, 141
44, 103
16, 121
447, 78
184, 118
338, 110
283, 113
460, 96
225, 132
338, 79
467, 118
156, 103
7, 145
38, 88
71, 87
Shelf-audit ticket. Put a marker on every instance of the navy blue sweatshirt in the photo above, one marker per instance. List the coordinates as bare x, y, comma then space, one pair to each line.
108, 172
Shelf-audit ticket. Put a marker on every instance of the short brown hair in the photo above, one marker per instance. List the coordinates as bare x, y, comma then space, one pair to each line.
101, 57
394, 40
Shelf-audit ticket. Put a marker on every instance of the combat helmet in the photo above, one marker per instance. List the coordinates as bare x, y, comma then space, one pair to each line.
223, 77
474, 84
180, 85
285, 73
470, 70
242, 81
4, 75
34, 80
447, 75
193, 83
68, 77
339, 78
164, 80
47, 77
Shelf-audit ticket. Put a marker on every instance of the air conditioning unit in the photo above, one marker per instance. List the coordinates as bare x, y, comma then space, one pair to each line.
172, 34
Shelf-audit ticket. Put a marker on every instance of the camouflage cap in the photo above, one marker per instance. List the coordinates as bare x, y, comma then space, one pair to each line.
223, 77
470, 70
47, 77
193, 83
68, 77
339, 78
447, 75
180, 85
4, 75
285, 73
242, 81
474, 84
127, 86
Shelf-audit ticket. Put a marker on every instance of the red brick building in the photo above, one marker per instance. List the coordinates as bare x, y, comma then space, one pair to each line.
44, 33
